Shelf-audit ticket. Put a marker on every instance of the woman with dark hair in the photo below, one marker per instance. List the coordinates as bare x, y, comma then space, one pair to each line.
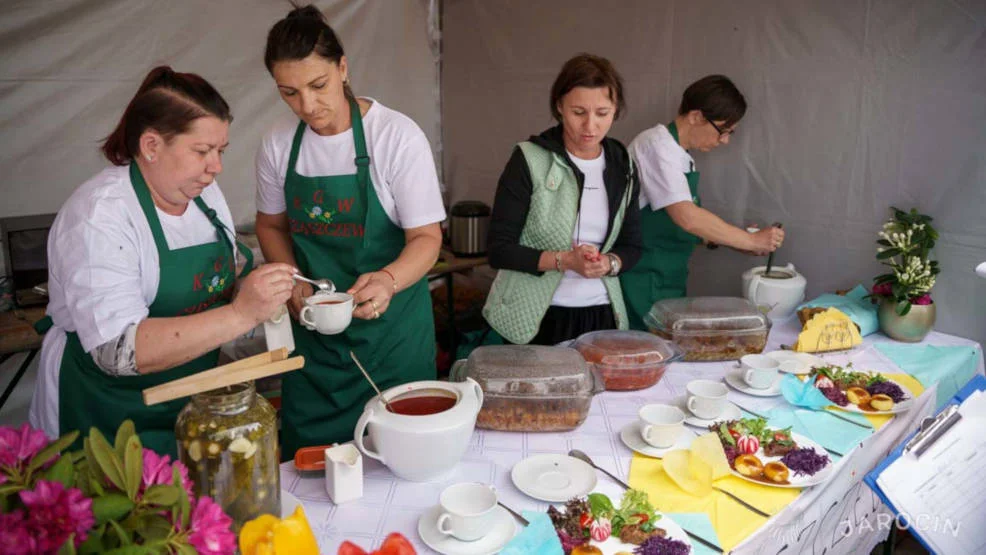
346, 190
565, 222
672, 218
142, 268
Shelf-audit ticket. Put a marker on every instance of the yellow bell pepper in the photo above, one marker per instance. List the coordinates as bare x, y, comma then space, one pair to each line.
269, 535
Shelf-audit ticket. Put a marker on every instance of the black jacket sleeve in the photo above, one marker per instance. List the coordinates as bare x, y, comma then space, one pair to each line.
510, 208
629, 243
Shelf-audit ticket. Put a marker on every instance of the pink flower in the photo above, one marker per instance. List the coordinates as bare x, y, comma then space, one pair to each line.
20, 446
15, 537
883, 289
922, 300
158, 470
55, 513
210, 533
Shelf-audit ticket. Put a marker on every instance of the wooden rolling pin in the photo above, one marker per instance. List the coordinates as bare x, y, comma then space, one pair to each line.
259, 366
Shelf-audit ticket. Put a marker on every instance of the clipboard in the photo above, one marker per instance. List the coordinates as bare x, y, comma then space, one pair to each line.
916, 444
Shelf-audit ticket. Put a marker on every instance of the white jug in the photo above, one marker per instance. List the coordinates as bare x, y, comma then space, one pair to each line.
781, 294
343, 473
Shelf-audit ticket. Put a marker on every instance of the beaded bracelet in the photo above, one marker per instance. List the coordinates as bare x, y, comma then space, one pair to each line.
386, 271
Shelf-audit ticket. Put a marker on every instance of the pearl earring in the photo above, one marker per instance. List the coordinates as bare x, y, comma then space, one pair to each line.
149, 157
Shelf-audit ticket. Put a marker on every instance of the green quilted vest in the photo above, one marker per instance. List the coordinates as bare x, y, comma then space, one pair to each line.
518, 301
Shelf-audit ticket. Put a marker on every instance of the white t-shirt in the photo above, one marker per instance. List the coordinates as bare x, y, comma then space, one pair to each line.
103, 270
662, 165
401, 165
590, 229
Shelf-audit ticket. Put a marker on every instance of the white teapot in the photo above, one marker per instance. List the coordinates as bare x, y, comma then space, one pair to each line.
781, 291
429, 430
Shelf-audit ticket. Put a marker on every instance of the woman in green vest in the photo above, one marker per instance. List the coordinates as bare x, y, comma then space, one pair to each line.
672, 218
346, 190
565, 222
142, 269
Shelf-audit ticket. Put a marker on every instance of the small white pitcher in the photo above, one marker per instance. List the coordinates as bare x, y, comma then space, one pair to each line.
343, 473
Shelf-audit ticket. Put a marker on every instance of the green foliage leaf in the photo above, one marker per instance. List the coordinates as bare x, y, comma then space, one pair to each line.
183, 501
68, 548
123, 535
8, 489
94, 541
62, 471
185, 549
133, 463
162, 496
106, 457
903, 308
111, 507
123, 434
51, 450
887, 253
154, 527
883, 243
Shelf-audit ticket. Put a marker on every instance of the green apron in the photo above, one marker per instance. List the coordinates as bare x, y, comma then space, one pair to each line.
662, 271
339, 231
192, 280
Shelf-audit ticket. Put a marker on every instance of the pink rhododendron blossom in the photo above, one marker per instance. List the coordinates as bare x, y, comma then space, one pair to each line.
883, 289
922, 300
15, 536
20, 446
55, 513
210, 529
158, 470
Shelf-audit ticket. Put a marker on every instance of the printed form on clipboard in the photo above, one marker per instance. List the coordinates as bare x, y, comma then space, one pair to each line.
936, 483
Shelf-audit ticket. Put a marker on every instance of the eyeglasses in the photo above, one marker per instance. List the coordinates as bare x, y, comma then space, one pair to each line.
722, 133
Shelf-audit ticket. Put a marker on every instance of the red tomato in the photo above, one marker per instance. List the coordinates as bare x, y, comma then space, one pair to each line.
396, 544
349, 548
734, 433
643, 517
585, 520
780, 436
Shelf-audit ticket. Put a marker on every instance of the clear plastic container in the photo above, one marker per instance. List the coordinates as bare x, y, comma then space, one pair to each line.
627, 360
530, 388
710, 328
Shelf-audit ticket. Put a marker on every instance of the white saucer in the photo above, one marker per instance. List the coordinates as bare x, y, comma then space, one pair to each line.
630, 434
502, 532
735, 380
732, 412
288, 503
795, 363
555, 478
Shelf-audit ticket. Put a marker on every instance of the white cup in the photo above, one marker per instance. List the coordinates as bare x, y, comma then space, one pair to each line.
707, 398
467, 511
759, 371
327, 313
660, 425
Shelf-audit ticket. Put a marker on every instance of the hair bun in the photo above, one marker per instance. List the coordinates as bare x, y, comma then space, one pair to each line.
306, 12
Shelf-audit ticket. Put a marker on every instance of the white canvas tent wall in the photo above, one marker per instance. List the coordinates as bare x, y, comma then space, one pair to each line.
854, 105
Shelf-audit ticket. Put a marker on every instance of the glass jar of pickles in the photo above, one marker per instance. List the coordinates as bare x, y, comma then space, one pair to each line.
228, 440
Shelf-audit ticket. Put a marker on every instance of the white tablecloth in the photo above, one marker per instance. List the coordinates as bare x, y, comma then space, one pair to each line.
841, 516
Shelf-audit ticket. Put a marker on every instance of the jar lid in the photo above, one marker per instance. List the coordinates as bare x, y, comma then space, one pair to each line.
626, 349
704, 314
526, 370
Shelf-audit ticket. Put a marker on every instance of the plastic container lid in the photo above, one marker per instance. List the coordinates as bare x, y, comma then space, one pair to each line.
626, 350
705, 314
527, 371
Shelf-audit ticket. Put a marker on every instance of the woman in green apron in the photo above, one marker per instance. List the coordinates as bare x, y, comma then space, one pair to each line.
347, 193
672, 218
143, 267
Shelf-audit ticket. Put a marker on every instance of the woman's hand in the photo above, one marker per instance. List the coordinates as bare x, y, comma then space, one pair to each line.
262, 292
299, 293
767, 240
587, 261
371, 295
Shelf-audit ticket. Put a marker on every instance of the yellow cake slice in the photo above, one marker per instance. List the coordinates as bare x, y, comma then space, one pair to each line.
830, 330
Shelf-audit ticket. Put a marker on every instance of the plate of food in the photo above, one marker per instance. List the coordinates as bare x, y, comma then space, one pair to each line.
770, 456
593, 525
861, 392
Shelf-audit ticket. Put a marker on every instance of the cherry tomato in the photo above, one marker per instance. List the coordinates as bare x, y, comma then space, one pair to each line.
734, 433
643, 517
780, 436
585, 520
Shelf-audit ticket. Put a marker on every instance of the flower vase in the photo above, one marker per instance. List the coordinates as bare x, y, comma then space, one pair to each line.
909, 328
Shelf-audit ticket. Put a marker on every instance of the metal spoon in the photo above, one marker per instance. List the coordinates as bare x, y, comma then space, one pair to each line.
517, 515
322, 284
585, 458
369, 379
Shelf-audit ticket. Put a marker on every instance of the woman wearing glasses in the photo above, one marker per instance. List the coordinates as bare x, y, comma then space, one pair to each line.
672, 218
